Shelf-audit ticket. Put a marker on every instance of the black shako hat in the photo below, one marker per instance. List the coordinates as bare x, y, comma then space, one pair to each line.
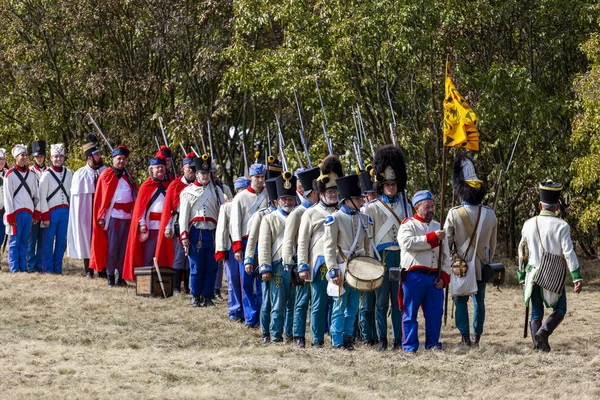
550, 192
274, 168
349, 187
286, 185
307, 177
271, 185
366, 181
38, 147
203, 163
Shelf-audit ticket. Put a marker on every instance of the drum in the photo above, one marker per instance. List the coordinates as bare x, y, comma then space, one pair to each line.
364, 273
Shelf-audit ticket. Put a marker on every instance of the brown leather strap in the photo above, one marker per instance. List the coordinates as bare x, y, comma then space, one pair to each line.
537, 228
390, 210
470, 230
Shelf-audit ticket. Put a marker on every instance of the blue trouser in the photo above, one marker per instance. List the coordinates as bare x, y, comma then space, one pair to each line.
345, 309
219, 276
280, 297
420, 292
203, 266
290, 305
34, 249
301, 309
117, 233
55, 241
150, 247
462, 311
17, 250
320, 303
265, 309
2, 227
234, 287
367, 316
537, 304
180, 260
251, 293
386, 293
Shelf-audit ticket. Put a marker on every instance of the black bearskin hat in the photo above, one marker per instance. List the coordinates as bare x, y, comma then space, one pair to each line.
389, 165
330, 166
463, 172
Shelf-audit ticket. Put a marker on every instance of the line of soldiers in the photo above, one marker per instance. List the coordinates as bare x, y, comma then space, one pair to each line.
285, 241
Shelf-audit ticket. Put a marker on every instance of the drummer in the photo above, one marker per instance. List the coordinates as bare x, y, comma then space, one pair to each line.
346, 236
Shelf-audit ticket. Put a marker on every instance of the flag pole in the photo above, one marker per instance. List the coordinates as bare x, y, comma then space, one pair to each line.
442, 216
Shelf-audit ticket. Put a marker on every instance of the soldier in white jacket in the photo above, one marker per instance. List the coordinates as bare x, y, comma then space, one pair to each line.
21, 204
346, 236
34, 249
55, 189
420, 237
3, 171
548, 234
275, 276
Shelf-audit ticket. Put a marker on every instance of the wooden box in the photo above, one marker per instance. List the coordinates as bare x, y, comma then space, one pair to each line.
147, 283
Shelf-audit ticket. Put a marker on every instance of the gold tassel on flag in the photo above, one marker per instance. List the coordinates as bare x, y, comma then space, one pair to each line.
460, 121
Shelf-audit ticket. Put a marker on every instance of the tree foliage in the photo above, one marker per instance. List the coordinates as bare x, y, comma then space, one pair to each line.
239, 63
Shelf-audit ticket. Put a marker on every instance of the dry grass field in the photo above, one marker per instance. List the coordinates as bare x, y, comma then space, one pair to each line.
68, 337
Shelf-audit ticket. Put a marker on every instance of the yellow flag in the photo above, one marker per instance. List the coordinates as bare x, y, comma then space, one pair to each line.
460, 122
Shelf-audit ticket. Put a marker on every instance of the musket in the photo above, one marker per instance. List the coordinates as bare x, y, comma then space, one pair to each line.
157, 144
133, 186
282, 154
167, 144
212, 155
300, 163
392, 125
372, 148
358, 157
160, 280
196, 143
245, 158
499, 182
523, 261
361, 126
324, 125
195, 152
301, 136
183, 150
354, 119
268, 152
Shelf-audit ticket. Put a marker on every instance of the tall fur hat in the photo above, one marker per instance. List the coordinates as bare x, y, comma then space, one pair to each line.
465, 183
389, 165
331, 169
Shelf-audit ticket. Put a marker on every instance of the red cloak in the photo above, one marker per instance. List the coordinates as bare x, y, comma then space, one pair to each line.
134, 255
105, 190
164, 247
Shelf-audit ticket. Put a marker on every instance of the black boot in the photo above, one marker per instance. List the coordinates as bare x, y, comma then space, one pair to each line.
397, 344
348, 343
102, 274
186, 281
196, 302
476, 341
218, 296
208, 302
383, 344
266, 339
89, 273
534, 326
300, 342
177, 283
111, 280
541, 336
465, 339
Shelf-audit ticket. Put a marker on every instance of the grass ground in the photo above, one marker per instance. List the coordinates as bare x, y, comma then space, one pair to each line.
68, 337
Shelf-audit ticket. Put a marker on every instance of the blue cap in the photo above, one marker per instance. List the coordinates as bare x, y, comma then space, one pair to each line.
420, 196
257, 169
241, 183
160, 160
120, 151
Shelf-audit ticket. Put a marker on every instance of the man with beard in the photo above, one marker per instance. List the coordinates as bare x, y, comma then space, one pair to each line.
419, 239
113, 204
198, 214
311, 256
143, 231
55, 185
34, 249
471, 230
168, 249
21, 203
290, 243
83, 188
273, 273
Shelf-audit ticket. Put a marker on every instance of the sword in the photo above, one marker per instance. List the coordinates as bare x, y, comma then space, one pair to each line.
167, 144
162, 286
